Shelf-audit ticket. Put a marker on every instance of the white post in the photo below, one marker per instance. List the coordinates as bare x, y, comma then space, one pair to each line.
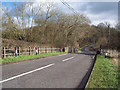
16, 51
36, 51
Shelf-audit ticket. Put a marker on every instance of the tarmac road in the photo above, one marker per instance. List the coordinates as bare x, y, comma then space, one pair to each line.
61, 71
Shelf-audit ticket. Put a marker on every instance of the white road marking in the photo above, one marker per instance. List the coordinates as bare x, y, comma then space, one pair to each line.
23, 74
67, 59
62, 54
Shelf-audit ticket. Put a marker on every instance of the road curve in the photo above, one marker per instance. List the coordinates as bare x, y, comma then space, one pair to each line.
62, 71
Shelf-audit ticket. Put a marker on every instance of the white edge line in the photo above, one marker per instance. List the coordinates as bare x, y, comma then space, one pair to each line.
62, 54
67, 59
23, 74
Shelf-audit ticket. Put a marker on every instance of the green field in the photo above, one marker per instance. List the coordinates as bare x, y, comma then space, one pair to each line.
27, 57
105, 74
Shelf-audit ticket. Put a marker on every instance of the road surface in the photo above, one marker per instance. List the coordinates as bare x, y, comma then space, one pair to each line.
61, 71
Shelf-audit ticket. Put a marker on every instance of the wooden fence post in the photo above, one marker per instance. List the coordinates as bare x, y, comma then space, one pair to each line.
0, 52
4, 52
45, 50
51, 49
59, 49
29, 50
38, 50
18, 50
55, 49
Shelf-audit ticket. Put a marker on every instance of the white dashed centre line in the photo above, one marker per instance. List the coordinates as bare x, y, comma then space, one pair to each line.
67, 59
23, 74
62, 54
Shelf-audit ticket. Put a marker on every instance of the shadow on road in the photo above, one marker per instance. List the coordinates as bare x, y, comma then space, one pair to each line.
87, 53
93, 55
85, 79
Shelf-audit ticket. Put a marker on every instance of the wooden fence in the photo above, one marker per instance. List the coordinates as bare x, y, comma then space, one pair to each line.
111, 53
28, 51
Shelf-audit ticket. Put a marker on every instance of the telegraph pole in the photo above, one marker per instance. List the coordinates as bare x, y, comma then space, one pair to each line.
107, 51
109, 38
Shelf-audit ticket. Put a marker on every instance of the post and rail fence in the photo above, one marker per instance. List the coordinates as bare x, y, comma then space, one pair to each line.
28, 51
110, 53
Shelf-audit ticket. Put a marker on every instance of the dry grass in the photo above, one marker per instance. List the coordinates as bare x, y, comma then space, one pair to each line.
115, 55
115, 61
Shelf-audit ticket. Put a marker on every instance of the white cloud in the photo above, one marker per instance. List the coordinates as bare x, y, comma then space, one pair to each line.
107, 15
98, 12
96, 19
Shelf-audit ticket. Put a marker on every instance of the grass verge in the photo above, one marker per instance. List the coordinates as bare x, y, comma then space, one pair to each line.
105, 74
80, 51
28, 57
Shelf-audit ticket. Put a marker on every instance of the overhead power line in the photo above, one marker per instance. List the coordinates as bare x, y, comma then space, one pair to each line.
67, 5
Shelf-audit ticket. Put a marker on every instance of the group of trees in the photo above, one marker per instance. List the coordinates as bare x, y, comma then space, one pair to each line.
45, 23
108, 37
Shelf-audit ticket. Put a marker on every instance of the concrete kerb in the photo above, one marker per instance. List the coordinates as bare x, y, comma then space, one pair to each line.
94, 63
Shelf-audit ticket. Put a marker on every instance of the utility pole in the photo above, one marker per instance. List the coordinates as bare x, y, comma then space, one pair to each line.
109, 38
107, 51
109, 35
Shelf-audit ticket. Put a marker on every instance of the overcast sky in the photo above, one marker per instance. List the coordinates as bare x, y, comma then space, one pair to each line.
97, 11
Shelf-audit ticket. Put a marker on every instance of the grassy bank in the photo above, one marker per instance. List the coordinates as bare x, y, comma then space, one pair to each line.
105, 74
27, 57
